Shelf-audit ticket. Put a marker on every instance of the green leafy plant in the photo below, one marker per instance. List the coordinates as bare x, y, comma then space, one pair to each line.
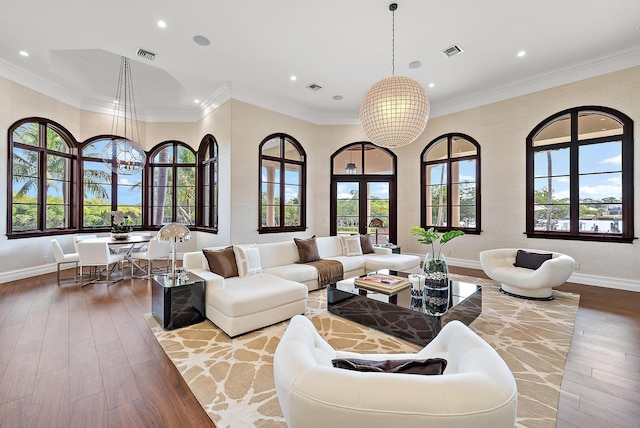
431, 236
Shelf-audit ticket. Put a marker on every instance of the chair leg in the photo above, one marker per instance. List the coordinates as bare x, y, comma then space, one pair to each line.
58, 275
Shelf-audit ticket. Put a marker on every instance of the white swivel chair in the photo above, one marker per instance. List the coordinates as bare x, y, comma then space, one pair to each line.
62, 258
97, 254
526, 283
477, 389
156, 251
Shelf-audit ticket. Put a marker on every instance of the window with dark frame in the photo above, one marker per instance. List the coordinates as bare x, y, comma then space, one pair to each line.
580, 176
450, 184
42, 166
104, 191
172, 175
207, 217
282, 181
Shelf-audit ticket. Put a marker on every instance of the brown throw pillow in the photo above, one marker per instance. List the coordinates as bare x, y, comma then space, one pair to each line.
307, 249
222, 262
431, 366
365, 244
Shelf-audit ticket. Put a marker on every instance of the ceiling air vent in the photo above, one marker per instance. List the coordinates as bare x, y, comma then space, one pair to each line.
145, 54
314, 87
451, 51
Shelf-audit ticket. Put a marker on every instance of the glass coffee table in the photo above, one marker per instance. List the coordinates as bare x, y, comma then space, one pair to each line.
399, 314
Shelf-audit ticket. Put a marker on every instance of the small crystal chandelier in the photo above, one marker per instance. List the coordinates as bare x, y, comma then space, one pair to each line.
394, 112
123, 155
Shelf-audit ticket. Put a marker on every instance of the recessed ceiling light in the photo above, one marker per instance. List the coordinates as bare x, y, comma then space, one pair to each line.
431, 85
162, 24
24, 53
521, 54
337, 97
293, 78
201, 40
116, 101
415, 64
196, 101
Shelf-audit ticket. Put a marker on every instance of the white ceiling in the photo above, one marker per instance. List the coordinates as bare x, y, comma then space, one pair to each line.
345, 46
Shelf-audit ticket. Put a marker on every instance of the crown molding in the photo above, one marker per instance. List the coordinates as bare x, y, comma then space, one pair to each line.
567, 75
229, 90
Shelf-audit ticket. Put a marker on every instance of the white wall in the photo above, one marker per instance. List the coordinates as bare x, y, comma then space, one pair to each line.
500, 128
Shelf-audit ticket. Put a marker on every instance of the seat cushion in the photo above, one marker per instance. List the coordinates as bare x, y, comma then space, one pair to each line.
294, 272
254, 294
350, 263
399, 262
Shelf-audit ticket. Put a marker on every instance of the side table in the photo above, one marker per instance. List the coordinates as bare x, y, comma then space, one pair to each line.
178, 302
395, 249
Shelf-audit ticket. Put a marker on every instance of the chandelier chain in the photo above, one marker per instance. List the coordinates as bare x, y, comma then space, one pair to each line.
393, 42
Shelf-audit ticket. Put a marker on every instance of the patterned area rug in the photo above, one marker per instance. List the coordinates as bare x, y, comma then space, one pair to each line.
233, 378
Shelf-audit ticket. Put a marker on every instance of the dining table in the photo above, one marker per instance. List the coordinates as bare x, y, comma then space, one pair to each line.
130, 245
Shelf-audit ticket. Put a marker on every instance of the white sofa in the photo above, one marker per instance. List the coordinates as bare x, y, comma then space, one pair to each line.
535, 284
247, 302
477, 389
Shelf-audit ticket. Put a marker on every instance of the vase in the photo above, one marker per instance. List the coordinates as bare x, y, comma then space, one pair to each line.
120, 235
436, 286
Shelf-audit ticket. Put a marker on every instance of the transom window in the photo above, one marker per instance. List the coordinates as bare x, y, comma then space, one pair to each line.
41, 170
580, 176
450, 183
172, 167
282, 185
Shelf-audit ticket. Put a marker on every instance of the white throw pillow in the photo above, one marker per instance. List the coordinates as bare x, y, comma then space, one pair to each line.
351, 245
247, 259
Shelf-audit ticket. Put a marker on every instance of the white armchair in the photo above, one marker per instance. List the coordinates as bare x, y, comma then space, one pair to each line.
477, 388
522, 282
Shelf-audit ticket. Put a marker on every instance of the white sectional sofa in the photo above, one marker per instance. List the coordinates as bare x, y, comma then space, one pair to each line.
278, 287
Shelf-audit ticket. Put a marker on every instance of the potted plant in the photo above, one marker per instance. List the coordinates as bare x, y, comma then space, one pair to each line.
434, 262
120, 226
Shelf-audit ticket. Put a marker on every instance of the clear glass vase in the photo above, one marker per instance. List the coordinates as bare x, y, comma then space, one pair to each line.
436, 286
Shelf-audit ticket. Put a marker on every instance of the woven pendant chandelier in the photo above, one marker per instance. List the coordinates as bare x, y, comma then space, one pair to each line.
123, 155
394, 112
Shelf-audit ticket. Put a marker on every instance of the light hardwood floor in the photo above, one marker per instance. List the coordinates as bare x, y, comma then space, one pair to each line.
85, 357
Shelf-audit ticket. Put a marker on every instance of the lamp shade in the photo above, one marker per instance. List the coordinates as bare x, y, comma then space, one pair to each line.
376, 222
174, 232
394, 112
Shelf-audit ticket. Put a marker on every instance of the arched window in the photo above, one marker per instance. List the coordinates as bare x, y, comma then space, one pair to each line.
41, 169
208, 184
580, 176
104, 191
282, 185
172, 171
450, 183
363, 188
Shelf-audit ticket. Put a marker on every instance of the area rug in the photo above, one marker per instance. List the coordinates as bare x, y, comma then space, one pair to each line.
233, 378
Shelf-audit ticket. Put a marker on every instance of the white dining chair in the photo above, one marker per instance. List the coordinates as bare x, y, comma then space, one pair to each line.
97, 254
79, 238
156, 250
62, 258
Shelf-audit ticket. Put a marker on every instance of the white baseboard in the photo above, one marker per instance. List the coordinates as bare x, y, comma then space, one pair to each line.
16, 275
576, 277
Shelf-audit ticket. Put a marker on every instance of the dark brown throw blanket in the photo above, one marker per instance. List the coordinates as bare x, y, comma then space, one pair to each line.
329, 271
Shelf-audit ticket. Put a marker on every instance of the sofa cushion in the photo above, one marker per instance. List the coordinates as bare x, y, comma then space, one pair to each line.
349, 263
294, 272
399, 262
222, 262
254, 294
307, 249
351, 245
365, 244
525, 259
247, 259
